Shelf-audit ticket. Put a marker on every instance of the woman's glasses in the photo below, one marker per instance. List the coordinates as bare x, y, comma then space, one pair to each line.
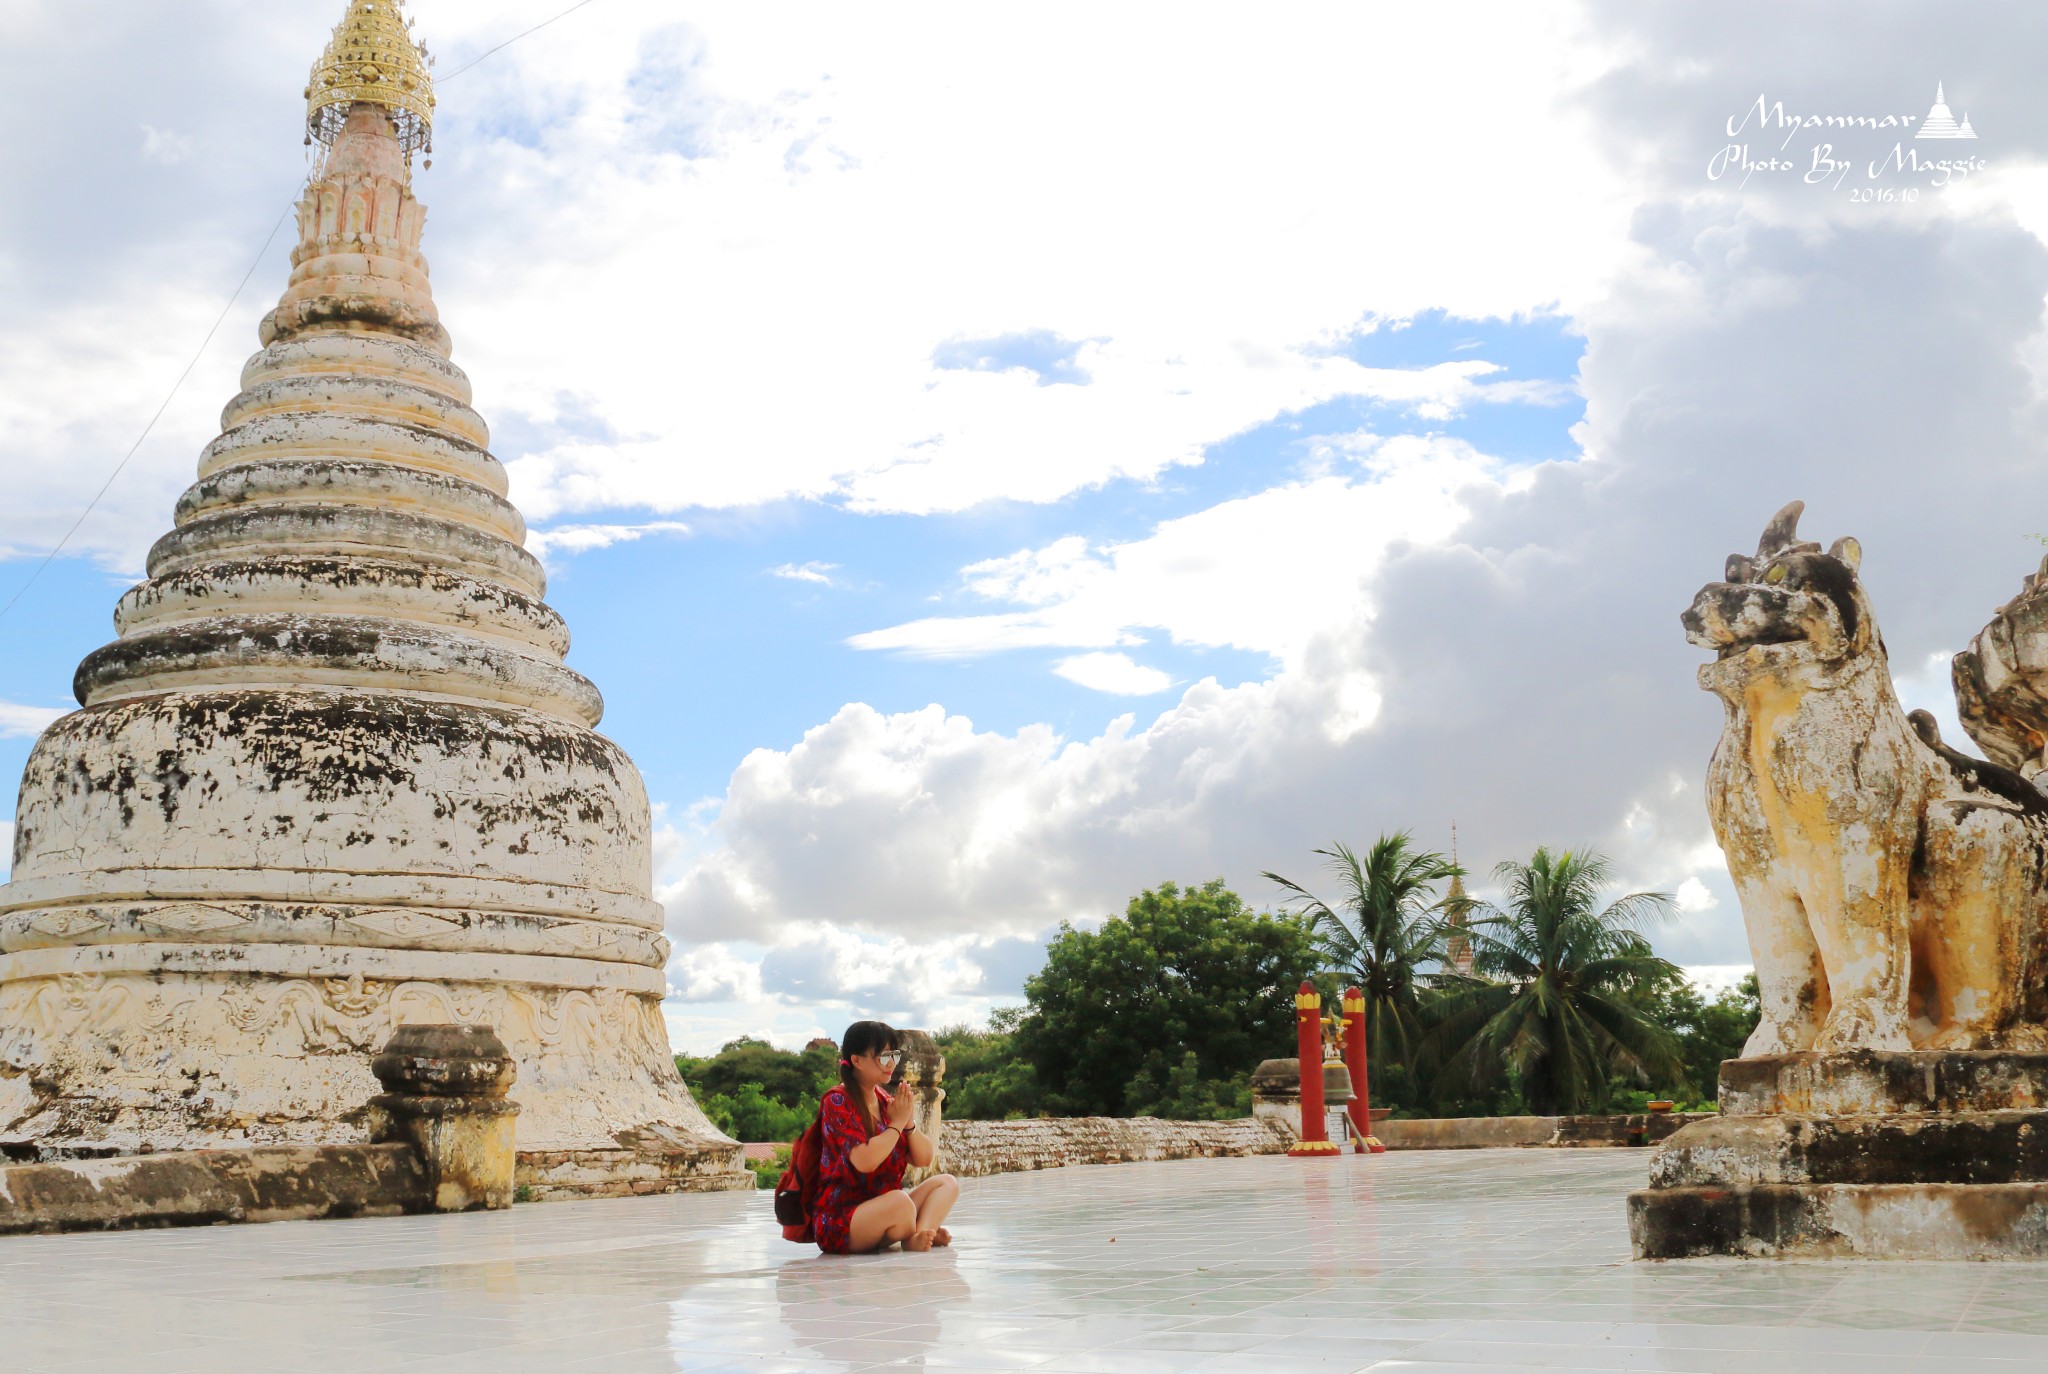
889, 1059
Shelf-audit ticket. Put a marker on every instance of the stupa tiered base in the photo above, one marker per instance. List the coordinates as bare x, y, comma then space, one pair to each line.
1867, 1154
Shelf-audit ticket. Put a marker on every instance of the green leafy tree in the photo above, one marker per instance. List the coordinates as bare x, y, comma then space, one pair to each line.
785, 1076
755, 1092
1719, 1032
1386, 933
1562, 1018
1185, 1095
748, 1114
1182, 971
987, 1077
1707, 1032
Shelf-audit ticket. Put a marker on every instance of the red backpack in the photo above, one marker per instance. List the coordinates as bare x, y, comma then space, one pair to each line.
796, 1194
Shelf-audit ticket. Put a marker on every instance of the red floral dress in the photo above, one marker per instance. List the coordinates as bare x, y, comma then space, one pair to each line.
841, 1187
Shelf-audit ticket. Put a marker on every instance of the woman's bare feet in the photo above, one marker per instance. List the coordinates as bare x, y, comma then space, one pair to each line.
942, 1236
920, 1240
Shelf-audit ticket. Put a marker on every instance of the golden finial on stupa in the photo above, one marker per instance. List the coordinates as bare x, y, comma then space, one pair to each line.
373, 59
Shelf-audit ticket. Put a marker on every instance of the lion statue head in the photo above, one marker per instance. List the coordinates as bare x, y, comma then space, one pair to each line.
1790, 606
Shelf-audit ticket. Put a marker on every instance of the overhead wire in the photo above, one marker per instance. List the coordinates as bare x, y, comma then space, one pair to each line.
220, 319
198, 353
513, 39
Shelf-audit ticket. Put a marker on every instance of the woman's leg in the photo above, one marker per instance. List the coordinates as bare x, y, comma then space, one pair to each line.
934, 1198
880, 1221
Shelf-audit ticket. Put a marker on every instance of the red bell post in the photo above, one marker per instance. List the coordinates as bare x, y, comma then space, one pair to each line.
1360, 1105
1308, 1026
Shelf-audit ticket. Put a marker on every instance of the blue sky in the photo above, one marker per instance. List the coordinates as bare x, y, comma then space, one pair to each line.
988, 472
728, 631
703, 652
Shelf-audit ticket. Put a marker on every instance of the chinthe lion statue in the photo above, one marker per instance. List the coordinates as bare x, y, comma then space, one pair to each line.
1895, 890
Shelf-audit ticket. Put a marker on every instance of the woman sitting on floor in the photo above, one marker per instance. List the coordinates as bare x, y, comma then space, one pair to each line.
869, 1140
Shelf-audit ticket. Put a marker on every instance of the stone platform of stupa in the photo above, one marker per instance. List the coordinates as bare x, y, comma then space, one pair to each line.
333, 775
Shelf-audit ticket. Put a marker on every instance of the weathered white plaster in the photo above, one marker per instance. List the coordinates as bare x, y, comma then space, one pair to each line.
333, 776
376, 587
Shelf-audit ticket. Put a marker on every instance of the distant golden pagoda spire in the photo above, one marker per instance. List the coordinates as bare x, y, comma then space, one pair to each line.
372, 59
1458, 949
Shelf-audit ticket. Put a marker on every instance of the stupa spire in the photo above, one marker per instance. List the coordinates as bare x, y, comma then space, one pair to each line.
373, 59
332, 776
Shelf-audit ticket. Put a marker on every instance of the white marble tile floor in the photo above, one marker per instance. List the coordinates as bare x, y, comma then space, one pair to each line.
1431, 1262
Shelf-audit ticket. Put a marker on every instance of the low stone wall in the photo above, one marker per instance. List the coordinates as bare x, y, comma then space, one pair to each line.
1643, 1128
1497, 1132
1466, 1132
201, 1187
565, 1175
972, 1149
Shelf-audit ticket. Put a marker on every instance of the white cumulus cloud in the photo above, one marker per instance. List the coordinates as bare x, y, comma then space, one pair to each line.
820, 573
574, 539
713, 973
25, 722
1501, 647
647, 235
1117, 674
721, 262
1264, 572
1692, 895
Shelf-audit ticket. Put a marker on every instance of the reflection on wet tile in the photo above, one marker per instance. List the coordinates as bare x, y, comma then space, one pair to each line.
1434, 1262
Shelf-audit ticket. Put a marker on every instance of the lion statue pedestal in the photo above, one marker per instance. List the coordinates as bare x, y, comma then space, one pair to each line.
1893, 1102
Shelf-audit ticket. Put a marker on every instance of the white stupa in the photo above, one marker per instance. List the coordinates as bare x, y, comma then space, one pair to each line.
1940, 123
333, 775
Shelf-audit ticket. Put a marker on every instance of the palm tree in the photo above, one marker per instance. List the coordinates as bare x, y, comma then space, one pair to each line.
1384, 932
1550, 1001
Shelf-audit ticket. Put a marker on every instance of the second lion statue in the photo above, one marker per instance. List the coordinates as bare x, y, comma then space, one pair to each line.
1895, 890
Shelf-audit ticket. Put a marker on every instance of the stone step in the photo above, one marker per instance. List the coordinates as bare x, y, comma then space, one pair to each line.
346, 531
1917, 1221
206, 1187
334, 651
379, 588
1959, 1147
362, 355
351, 481
1884, 1082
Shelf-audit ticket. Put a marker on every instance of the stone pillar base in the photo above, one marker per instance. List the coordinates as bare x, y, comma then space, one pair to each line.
1869, 1155
444, 1095
1314, 1149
